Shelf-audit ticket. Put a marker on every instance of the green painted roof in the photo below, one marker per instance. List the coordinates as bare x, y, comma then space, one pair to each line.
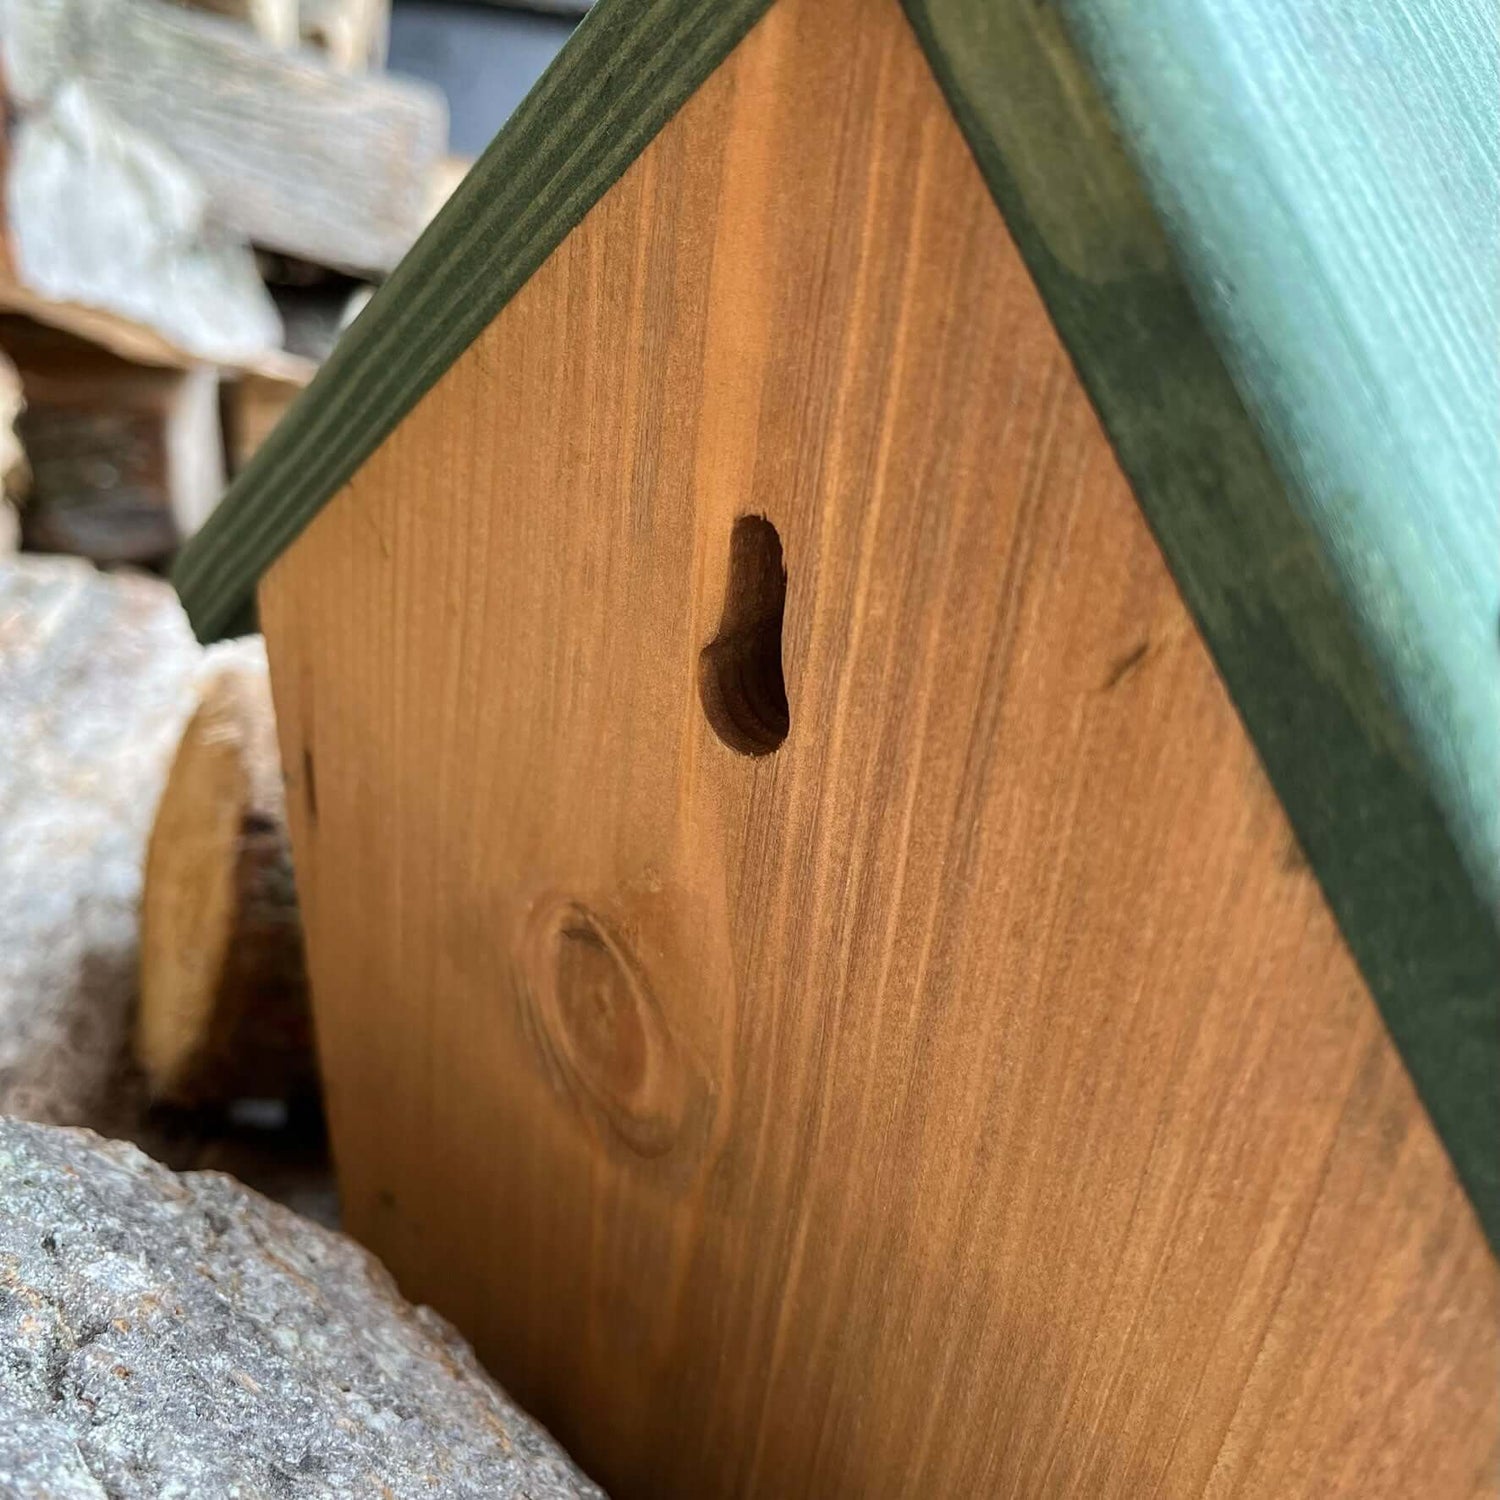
1267, 232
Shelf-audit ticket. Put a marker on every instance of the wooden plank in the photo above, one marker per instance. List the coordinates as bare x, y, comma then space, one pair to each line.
970, 1095
275, 22
294, 155
253, 405
1315, 446
223, 1012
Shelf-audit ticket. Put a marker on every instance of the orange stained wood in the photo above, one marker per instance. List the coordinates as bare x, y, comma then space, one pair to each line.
965, 1094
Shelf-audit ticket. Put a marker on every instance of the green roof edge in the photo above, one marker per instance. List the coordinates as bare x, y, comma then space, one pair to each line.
1382, 774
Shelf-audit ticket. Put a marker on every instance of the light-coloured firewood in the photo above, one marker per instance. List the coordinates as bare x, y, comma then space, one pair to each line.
223, 1005
96, 681
352, 34
292, 154
102, 214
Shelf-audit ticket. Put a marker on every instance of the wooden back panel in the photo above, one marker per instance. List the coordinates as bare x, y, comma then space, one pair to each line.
969, 1096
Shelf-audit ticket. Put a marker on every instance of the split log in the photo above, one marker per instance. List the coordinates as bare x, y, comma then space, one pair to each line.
223, 1004
252, 406
275, 22
351, 34
15, 473
181, 1335
354, 35
127, 460
96, 681
292, 154
104, 214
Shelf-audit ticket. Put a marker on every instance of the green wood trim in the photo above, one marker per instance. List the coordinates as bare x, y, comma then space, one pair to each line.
1266, 232
622, 75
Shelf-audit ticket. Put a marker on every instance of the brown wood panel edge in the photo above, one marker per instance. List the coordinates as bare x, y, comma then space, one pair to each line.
622, 75
1250, 566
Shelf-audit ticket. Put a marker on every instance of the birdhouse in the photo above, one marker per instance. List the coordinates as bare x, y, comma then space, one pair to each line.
885, 650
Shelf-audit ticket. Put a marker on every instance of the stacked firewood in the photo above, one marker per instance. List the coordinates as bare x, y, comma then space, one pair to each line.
195, 198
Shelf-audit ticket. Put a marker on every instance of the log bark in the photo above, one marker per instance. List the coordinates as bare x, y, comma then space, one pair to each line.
292, 154
96, 681
181, 1335
252, 406
223, 1005
127, 460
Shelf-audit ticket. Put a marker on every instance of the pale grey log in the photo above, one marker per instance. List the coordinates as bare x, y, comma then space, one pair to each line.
293, 155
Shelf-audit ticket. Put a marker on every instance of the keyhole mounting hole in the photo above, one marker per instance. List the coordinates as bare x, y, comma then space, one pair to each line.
739, 671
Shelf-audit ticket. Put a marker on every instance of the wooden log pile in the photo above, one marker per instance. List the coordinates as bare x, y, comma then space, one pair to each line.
183, 189
150, 945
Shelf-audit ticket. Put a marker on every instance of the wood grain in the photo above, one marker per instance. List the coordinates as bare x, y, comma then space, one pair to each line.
1265, 236
222, 1012
970, 1096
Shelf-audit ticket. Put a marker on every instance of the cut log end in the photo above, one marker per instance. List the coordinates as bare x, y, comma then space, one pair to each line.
223, 1006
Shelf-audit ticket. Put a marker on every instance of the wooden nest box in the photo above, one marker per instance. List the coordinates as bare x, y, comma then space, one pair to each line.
885, 643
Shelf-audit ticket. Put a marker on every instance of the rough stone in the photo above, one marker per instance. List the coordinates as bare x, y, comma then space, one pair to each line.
168, 1337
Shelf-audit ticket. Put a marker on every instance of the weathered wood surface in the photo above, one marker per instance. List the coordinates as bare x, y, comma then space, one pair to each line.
15, 472
353, 35
223, 1010
136, 341
102, 214
179, 1335
127, 460
1300, 250
973, 1094
292, 154
275, 22
96, 680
